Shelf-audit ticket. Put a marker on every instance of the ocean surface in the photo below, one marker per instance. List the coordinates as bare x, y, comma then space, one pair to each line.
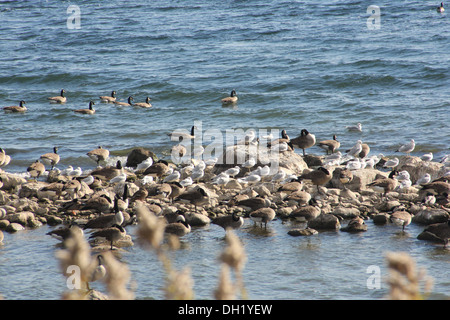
294, 65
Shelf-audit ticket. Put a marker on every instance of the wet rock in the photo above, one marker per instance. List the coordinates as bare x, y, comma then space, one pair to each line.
15, 227
233, 184
302, 232
431, 216
386, 206
325, 221
346, 213
136, 156
4, 224
53, 220
21, 217
417, 168
381, 218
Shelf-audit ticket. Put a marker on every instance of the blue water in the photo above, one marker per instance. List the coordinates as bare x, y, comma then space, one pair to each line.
294, 65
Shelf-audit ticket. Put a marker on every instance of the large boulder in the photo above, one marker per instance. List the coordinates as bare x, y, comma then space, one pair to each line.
325, 221
136, 156
417, 168
361, 178
431, 216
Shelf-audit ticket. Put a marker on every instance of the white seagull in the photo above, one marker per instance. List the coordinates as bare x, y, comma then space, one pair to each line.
358, 127
407, 148
391, 163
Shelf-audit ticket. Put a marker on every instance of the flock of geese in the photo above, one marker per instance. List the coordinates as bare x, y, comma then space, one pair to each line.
182, 183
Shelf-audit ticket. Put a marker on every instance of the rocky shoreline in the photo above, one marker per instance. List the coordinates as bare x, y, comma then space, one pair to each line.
27, 204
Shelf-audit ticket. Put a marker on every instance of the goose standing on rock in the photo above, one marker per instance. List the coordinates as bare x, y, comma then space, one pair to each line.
59, 99
17, 109
113, 233
197, 197
90, 110
158, 169
385, 185
36, 169
304, 141
330, 145
318, 177
105, 221
306, 213
51, 159
232, 99
111, 98
98, 154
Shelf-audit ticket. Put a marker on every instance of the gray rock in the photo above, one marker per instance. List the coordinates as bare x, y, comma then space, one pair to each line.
11, 181
361, 178
14, 227
417, 168
431, 216
302, 232
4, 224
381, 218
21, 217
346, 213
53, 220
325, 221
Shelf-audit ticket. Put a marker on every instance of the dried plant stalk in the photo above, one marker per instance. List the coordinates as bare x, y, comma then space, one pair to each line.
117, 278
179, 285
404, 279
226, 290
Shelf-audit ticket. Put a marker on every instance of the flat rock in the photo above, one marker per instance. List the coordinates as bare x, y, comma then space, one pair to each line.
381, 218
346, 213
431, 216
302, 232
15, 227
325, 221
361, 178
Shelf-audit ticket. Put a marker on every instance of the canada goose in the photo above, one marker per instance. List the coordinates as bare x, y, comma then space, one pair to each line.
158, 169
183, 135
113, 233
72, 187
232, 221
407, 148
139, 195
197, 197
441, 231
231, 99
179, 228
262, 215
109, 172
99, 271
437, 188
163, 191
36, 169
301, 197
104, 221
145, 104
55, 188
177, 190
98, 154
5, 159
59, 99
306, 213
365, 149
112, 98
330, 145
284, 138
401, 218
123, 202
293, 186
20, 108
91, 109
385, 185
304, 141
345, 176
51, 159
252, 204
64, 233
441, 8
318, 177
125, 104
2, 156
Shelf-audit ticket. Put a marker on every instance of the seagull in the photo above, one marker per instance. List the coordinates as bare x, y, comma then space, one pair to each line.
250, 163
356, 149
145, 164
357, 127
253, 178
427, 157
407, 148
174, 176
76, 172
250, 136
425, 179
88, 180
121, 178
197, 175
391, 163
222, 179
67, 171
186, 182
279, 176
353, 165
233, 171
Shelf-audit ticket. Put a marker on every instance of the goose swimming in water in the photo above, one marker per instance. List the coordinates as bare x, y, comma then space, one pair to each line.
125, 104
20, 108
90, 110
231, 99
59, 99
441, 8
145, 104
112, 98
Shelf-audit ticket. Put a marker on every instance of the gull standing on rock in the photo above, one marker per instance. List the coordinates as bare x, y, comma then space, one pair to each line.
391, 163
355, 150
407, 148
